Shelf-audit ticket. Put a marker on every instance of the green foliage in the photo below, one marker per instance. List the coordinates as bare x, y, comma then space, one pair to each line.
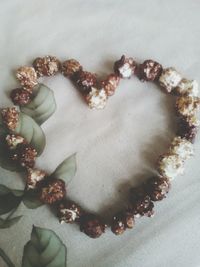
32, 132
66, 170
45, 249
42, 106
9, 199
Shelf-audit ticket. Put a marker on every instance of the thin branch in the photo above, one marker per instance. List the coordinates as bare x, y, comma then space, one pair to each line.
6, 258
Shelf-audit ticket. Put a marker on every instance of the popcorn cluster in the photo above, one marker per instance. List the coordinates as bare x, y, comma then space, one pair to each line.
96, 98
182, 147
25, 155
122, 221
169, 79
187, 87
69, 212
70, 68
94, 95
187, 106
125, 67
85, 81
110, 84
141, 203
14, 140
157, 188
27, 76
186, 109
20, 97
20, 151
34, 178
54, 191
172, 81
149, 70
10, 117
46, 66
187, 102
171, 164
92, 225
188, 127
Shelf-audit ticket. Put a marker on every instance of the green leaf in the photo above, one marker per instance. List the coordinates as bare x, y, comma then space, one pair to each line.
7, 223
42, 106
6, 258
45, 249
5, 190
66, 170
31, 200
9, 199
18, 193
32, 132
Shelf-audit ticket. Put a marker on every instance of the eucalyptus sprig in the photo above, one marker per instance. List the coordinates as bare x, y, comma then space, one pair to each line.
10, 199
43, 104
45, 249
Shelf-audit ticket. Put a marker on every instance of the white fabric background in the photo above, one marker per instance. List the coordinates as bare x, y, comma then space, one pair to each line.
116, 147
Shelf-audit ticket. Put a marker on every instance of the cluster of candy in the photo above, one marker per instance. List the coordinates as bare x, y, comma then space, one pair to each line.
51, 190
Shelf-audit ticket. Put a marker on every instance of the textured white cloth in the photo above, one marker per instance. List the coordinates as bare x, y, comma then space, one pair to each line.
118, 146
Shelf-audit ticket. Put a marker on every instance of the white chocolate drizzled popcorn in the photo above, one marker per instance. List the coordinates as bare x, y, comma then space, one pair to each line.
14, 140
27, 77
125, 67
170, 165
10, 117
46, 66
192, 121
125, 70
96, 99
69, 212
67, 215
53, 68
188, 87
35, 176
169, 79
187, 105
182, 147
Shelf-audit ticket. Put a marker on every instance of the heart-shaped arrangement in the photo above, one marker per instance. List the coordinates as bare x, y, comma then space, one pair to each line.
22, 139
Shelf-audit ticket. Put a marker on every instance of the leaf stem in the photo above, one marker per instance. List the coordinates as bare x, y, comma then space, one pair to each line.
6, 258
12, 212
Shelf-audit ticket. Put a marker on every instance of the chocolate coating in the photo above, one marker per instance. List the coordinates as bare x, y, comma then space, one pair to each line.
92, 225
149, 70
